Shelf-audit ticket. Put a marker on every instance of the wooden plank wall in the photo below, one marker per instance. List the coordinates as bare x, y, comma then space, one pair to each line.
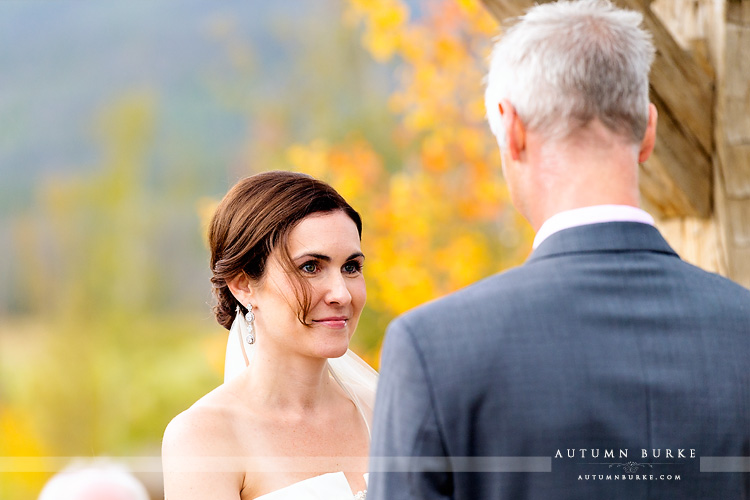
717, 32
732, 162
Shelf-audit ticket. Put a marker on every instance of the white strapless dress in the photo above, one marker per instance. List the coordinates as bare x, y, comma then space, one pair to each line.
331, 486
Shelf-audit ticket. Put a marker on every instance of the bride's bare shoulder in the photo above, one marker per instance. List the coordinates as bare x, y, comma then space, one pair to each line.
201, 456
207, 427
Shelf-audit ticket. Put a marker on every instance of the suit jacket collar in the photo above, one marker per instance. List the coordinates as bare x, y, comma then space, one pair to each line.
603, 237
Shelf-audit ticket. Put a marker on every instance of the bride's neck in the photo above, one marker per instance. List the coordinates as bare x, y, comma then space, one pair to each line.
288, 382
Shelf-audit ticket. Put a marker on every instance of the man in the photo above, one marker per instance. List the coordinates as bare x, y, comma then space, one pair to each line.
604, 367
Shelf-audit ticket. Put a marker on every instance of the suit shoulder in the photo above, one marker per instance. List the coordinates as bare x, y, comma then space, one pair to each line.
698, 278
719, 281
718, 293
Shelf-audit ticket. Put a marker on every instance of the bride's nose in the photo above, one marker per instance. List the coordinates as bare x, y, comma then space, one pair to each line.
337, 291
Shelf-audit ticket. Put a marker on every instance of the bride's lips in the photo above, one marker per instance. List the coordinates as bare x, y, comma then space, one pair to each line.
332, 322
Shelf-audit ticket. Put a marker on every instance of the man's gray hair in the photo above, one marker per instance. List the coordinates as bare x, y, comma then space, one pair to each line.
566, 63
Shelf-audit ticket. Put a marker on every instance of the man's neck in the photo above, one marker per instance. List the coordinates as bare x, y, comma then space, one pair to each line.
576, 174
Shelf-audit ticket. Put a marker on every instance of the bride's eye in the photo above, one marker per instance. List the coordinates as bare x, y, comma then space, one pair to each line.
309, 267
352, 267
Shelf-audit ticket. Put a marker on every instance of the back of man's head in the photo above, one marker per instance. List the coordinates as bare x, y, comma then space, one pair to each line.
566, 63
100, 481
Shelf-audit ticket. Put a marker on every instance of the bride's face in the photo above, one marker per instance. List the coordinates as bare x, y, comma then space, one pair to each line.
325, 248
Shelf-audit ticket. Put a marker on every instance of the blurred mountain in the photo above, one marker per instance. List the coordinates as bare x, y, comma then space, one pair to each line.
228, 86
210, 64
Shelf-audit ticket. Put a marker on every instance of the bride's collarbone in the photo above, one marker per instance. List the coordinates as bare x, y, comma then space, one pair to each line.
289, 447
280, 444
337, 413
295, 433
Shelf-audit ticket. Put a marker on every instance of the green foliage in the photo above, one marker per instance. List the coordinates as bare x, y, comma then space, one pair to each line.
106, 368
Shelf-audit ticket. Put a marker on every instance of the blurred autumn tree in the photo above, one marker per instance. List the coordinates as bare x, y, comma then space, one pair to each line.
436, 211
112, 354
110, 362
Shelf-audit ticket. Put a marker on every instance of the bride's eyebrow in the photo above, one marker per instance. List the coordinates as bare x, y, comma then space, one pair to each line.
325, 258
318, 256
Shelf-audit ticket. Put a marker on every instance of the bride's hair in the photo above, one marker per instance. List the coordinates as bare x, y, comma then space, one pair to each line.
254, 219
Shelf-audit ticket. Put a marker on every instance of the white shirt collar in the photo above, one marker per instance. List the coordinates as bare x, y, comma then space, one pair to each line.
590, 215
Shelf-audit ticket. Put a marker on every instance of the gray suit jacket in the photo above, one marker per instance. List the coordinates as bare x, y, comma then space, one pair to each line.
603, 344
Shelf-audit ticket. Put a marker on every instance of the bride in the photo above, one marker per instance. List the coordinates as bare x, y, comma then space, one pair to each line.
292, 419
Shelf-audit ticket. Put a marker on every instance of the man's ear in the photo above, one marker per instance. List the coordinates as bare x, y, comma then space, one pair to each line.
649, 138
241, 288
514, 129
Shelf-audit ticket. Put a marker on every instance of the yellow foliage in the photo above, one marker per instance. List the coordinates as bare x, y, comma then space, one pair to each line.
214, 347
206, 207
432, 219
23, 453
383, 20
355, 167
313, 157
435, 218
460, 255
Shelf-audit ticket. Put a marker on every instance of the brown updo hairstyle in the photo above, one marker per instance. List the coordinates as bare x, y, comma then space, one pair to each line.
254, 219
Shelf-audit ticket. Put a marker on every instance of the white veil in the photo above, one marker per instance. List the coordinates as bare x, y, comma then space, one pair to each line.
239, 353
353, 374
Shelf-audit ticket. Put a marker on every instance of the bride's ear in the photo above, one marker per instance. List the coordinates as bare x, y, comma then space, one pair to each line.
241, 288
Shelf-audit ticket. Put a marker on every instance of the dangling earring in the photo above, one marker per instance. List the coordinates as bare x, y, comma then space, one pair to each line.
250, 322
